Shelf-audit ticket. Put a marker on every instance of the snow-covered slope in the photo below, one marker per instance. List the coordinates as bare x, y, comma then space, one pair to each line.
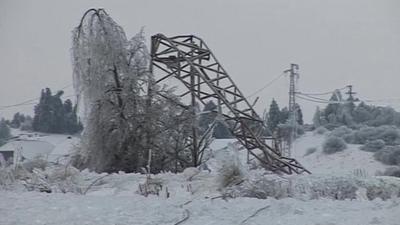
350, 161
51, 146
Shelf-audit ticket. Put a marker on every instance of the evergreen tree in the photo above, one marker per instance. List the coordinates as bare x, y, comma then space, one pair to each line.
299, 115
42, 112
208, 115
57, 113
17, 120
54, 116
4, 131
274, 116
284, 115
206, 119
71, 124
317, 117
331, 110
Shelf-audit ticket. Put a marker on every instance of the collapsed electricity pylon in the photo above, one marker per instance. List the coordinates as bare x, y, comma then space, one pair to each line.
188, 59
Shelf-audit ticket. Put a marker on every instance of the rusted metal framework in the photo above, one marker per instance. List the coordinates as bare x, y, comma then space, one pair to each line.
188, 59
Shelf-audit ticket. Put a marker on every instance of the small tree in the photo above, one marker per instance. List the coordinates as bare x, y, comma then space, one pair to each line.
274, 116
299, 115
18, 118
4, 131
317, 118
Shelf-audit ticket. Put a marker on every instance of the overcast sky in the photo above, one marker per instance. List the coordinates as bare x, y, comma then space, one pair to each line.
335, 43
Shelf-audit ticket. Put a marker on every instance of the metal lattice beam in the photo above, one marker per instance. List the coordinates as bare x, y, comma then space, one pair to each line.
188, 59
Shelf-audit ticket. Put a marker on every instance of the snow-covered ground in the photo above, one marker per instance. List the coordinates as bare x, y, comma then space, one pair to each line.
53, 147
352, 160
37, 208
113, 199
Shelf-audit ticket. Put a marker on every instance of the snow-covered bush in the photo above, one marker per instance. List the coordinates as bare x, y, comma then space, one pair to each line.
286, 131
230, 170
38, 162
389, 134
320, 130
373, 146
390, 155
333, 144
392, 171
315, 187
310, 151
341, 132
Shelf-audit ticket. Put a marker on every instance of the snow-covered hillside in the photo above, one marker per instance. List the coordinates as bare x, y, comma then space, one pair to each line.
350, 161
302, 199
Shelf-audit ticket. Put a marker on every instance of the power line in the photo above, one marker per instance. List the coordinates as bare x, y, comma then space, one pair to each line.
310, 96
321, 101
30, 101
326, 93
265, 86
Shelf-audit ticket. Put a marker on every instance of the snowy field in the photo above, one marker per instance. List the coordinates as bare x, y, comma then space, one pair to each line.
114, 199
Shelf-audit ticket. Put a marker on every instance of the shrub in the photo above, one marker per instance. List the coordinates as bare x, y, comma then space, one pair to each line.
331, 126
38, 162
392, 171
389, 134
286, 131
310, 151
373, 146
341, 132
390, 155
229, 167
320, 130
333, 144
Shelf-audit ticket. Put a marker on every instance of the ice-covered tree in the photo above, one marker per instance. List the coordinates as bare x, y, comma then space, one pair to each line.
299, 115
274, 116
317, 118
18, 118
127, 118
208, 117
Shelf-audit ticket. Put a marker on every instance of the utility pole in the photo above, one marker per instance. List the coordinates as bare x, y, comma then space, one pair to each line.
350, 93
293, 76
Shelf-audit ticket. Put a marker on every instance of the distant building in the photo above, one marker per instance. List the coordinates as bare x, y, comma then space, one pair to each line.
9, 153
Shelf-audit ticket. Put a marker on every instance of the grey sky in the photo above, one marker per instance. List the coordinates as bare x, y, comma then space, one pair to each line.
335, 43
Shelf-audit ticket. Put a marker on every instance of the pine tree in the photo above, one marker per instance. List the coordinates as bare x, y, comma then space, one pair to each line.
54, 116
331, 110
317, 118
208, 115
274, 116
206, 119
284, 115
4, 131
42, 112
71, 124
299, 115
17, 120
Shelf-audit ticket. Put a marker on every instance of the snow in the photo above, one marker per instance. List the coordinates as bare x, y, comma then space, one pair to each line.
38, 208
114, 199
51, 146
350, 161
